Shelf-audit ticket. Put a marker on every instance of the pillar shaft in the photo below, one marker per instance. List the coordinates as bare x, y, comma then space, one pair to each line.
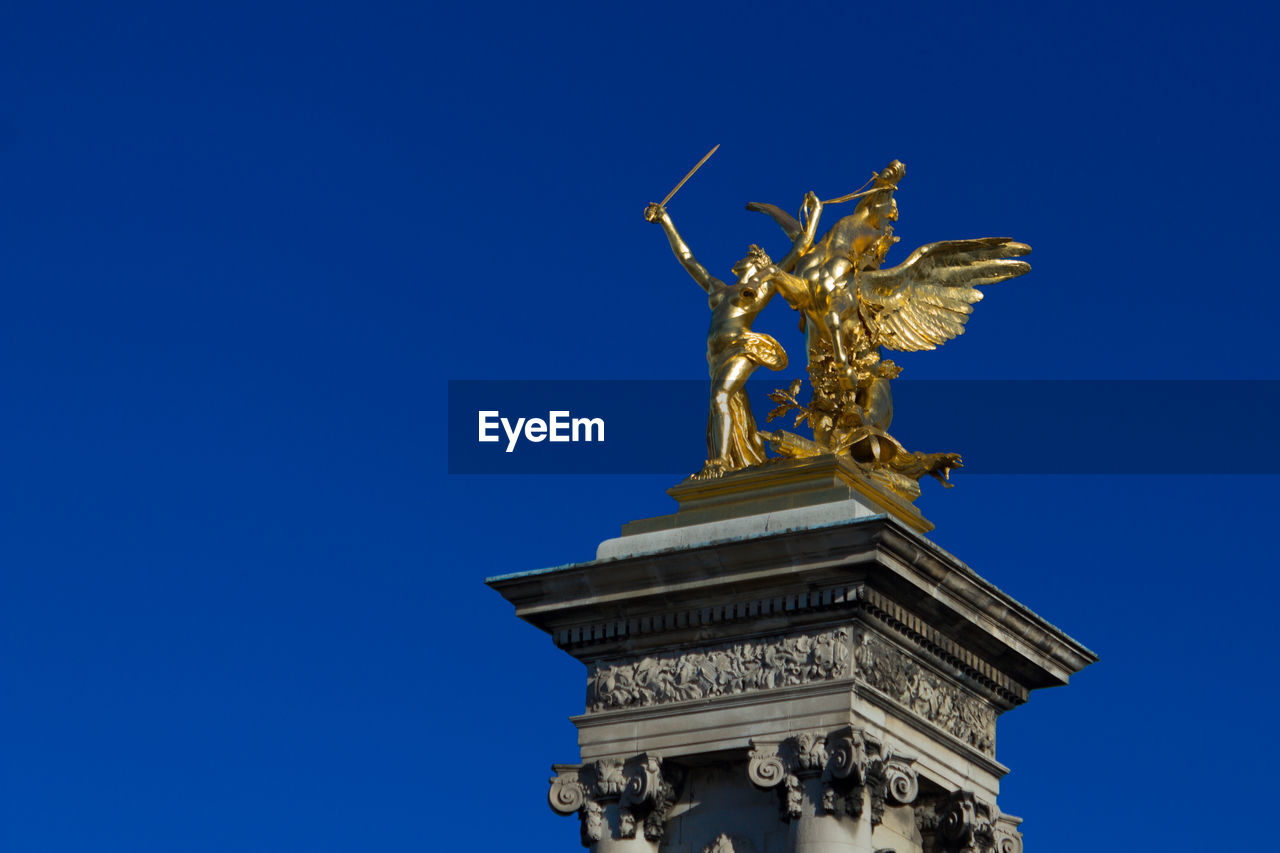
817, 830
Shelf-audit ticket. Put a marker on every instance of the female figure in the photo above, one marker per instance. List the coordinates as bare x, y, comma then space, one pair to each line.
733, 350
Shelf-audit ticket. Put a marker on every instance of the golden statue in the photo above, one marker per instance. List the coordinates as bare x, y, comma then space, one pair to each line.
850, 309
734, 351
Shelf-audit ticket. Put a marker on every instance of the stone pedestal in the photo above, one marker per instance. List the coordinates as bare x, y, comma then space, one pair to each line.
813, 677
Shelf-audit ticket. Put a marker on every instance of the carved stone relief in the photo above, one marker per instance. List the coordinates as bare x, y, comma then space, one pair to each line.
851, 764
723, 670
725, 843
752, 665
962, 823
642, 786
947, 706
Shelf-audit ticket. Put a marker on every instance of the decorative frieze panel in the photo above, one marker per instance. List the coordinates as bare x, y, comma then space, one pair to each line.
761, 664
946, 705
850, 762
643, 788
723, 670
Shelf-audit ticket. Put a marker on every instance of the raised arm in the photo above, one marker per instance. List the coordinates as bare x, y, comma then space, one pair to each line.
657, 213
794, 290
812, 207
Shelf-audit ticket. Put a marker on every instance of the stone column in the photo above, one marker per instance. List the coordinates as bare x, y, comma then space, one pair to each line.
622, 805
833, 787
721, 634
819, 831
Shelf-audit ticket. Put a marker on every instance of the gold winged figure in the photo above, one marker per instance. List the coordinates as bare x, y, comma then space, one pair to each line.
852, 308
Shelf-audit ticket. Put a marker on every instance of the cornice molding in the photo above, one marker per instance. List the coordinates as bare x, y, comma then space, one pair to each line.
797, 571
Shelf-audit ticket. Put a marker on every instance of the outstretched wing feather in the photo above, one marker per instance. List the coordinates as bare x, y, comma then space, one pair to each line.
926, 300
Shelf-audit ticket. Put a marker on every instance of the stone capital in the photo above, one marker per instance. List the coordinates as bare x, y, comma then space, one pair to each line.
850, 763
641, 787
963, 823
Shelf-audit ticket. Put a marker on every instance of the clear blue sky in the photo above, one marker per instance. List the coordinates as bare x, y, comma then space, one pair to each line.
244, 246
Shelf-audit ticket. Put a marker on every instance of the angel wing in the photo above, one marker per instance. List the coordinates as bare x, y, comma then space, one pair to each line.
926, 300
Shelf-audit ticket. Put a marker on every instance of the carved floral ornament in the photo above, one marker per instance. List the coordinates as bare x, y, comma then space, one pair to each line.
850, 762
762, 664
642, 787
724, 670
962, 823
726, 843
884, 667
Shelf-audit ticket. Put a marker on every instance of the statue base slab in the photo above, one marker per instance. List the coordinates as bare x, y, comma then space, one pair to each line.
775, 489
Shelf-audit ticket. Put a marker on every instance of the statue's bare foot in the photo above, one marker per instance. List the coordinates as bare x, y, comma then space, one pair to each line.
714, 469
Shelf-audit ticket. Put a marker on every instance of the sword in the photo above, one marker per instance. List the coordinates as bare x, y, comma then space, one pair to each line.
707, 157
